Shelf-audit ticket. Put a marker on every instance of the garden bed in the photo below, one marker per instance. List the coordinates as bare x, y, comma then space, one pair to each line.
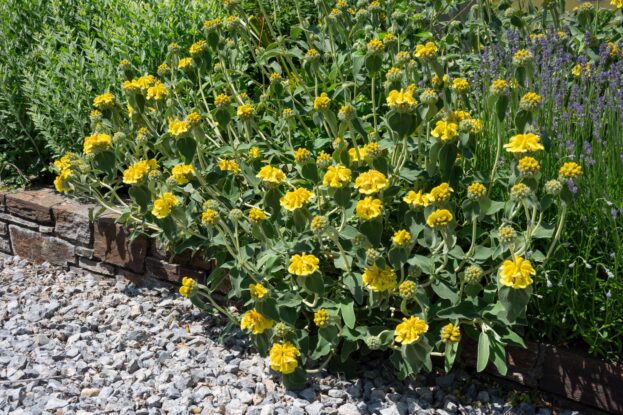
42, 226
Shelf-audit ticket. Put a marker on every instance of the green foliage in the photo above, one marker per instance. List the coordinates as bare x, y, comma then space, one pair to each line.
58, 54
348, 215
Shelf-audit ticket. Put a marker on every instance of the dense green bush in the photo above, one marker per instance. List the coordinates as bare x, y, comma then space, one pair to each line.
57, 54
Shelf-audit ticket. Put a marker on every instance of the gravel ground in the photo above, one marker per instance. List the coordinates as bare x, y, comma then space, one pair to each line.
73, 343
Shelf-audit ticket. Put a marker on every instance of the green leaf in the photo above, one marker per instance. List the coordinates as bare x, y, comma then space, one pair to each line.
313, 283
450, 355
342, 197
310, 172
424, 263
500, 107
397, 257
348, 314
498, 356
483, 351
354, 283
295, 380
463, 310
268, 307
514, 301
403, 124
374, 63
373, 230
187, 146
105, 161
141, 196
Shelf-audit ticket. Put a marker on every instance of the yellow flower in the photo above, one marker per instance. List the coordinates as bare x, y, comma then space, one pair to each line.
229, 165
303, 264
182, 172
450, 333
283, 357
516, 273
244, 111
312, 53
138, 171
352, 153
369, 208
302, 155
254, 153
439, 218
272, 175
157, 92
524, 143
371, 182
522, 57
323, 160
446, 131
577, 70
407, 289
528, 166
209, 216
460, 85
401, 237
498, 87
410, 330
257, 215
144, 82
322, 102
178, 128
458, 116
530, 101
613, 49
441, 193
570, 170
255, 322
417, 199
321, 317
211, 24
426, 51
185, 63
401, 101
194, 118
617, 3
520, 191
221, 101
198, 48
296, 199
379, 279
164, 204
336, 176
188, 286
96, 143
346, 112
104, 101
375, 46
60, 181
64, 162
258, 291
476, 191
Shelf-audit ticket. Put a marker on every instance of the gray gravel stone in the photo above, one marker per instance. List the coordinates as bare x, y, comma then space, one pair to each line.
105, 346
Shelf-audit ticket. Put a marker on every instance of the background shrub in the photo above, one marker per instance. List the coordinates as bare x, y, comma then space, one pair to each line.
56, 55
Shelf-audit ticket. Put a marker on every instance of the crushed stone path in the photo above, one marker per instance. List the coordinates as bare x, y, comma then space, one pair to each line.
82, 344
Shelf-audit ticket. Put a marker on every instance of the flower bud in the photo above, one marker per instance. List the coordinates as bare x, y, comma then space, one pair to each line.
553, 187
472, 274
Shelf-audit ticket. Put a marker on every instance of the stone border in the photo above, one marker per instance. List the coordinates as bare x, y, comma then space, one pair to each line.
41, 225
574, 375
